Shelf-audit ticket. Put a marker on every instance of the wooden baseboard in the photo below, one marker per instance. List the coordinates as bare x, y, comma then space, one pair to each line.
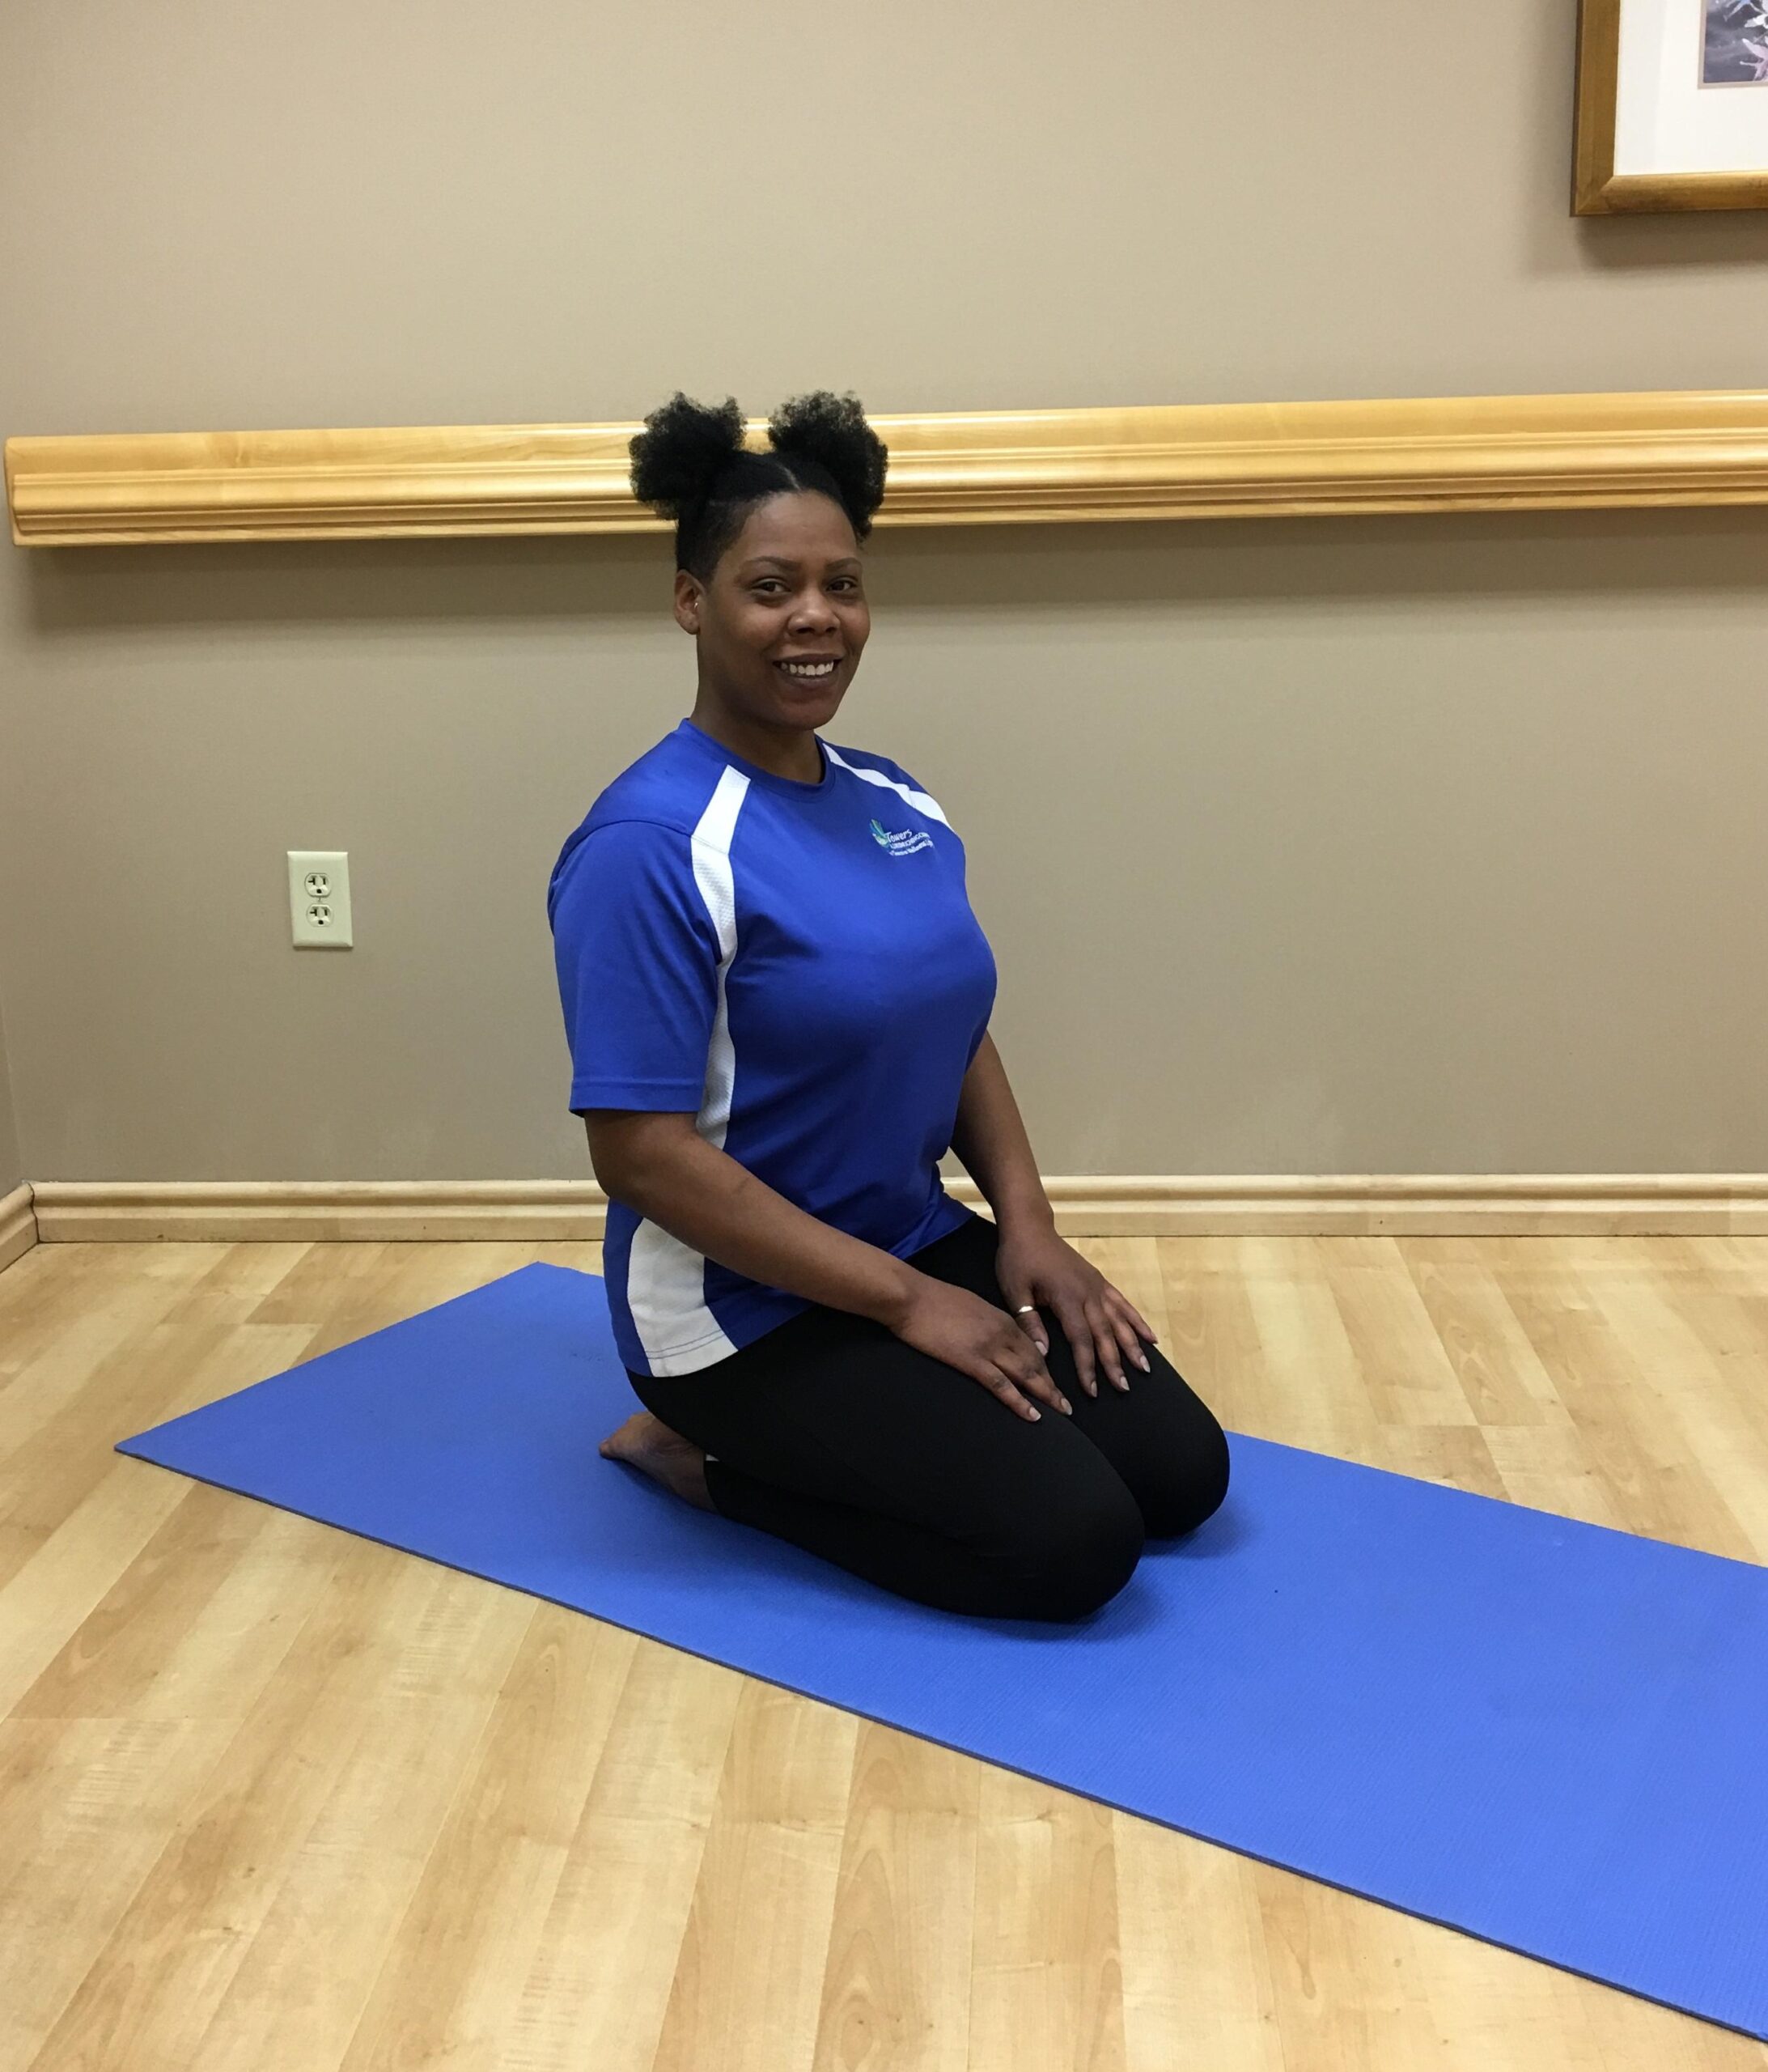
17, 1226
532, 1212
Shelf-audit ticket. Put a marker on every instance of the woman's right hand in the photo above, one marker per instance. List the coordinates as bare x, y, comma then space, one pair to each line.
979, 1340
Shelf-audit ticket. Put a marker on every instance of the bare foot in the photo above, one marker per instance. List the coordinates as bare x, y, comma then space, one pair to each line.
646, 1443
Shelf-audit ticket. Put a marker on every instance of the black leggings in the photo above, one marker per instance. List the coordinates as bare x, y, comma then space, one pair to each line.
830, 1431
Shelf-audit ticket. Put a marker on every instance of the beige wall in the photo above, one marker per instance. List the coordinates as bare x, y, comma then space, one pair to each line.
1378, 845
11, 1164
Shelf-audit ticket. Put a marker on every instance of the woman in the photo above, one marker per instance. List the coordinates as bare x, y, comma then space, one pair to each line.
777, 1000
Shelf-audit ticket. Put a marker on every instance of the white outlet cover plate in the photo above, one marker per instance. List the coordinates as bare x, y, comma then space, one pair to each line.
319, 917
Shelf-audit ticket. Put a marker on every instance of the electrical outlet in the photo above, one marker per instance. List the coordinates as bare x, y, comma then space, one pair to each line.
318, 899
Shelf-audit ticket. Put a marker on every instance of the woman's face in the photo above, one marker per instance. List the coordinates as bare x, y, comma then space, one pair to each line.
789, 588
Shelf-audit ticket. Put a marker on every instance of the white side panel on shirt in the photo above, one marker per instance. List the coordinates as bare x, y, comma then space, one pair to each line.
920, 801
665, 1279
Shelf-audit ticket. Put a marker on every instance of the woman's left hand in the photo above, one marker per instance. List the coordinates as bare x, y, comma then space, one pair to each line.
1033, 1264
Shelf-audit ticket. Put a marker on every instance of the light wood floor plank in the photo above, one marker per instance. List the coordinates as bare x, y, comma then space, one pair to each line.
748, 1983
73, 1570
69, 1370
58, 1320
1344, 1994
1402, 1366
163, 1970
450, 1988
1720, 1430
1479, 1332
893, 2000
87, 1805
1197, 1984
195, 1348
301, 1987
1661, 1491
196, 1624
600, 1986
1046, 1979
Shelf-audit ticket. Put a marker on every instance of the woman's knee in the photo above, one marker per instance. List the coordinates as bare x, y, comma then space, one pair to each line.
1188, 1483
1074, 1559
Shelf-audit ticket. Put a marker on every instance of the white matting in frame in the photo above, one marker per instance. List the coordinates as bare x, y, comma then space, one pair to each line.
1693, 91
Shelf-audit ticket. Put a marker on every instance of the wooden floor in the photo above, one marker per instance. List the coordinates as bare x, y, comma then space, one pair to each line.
276, 1799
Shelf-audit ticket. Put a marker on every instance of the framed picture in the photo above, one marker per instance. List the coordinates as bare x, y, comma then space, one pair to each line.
1673, 106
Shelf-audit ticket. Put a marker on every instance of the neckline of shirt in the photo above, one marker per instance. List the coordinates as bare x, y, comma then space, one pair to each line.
790, 787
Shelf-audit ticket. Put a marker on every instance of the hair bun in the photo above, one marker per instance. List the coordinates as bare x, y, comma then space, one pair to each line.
681, 451
831, 430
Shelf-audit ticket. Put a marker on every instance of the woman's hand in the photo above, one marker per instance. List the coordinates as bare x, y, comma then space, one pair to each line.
972, 1336
1033, 1264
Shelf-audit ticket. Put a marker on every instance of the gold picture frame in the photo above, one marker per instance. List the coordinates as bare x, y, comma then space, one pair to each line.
1598, 189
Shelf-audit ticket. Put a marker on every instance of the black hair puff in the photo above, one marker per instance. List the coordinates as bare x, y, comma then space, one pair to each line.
831, 430
682, 451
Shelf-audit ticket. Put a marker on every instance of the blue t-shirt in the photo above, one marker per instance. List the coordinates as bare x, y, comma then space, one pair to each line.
798, 966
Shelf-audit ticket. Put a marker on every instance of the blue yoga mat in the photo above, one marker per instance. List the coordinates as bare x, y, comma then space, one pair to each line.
1551, 1735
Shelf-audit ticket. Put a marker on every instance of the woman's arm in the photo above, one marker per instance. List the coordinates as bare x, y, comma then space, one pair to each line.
1032, 1264
990, 1138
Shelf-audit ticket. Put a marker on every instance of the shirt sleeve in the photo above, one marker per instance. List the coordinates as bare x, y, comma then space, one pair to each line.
637, 959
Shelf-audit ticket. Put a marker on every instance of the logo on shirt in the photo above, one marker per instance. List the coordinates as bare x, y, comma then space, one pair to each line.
903, 844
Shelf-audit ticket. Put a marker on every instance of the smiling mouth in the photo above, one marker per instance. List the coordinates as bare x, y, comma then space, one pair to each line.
816, 672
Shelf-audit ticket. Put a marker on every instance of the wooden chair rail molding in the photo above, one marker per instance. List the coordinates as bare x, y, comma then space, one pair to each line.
1184, 461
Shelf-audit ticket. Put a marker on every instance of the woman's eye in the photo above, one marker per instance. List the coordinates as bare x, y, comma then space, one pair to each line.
770, 588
